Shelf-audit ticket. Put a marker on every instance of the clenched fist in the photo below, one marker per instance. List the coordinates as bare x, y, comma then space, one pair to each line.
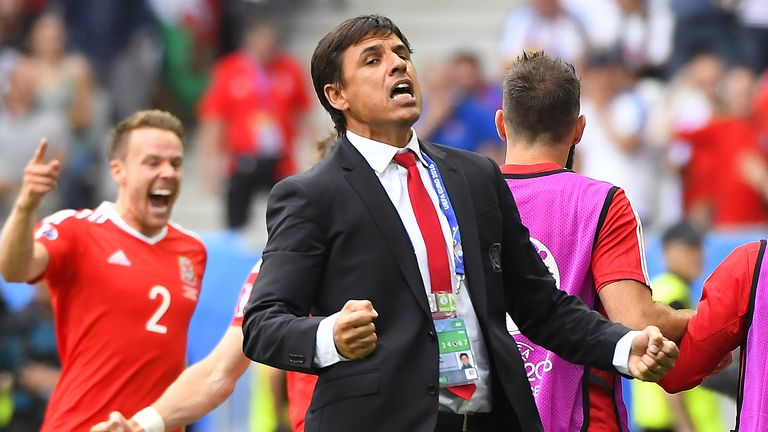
354, 332
652, 355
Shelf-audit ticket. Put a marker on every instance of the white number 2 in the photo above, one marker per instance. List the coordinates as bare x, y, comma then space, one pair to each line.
152, 325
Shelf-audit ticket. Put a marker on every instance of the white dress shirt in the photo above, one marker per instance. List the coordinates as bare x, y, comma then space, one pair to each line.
394, 179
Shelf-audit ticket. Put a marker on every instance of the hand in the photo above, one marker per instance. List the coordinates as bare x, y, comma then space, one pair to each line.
117, 423
354, 332
652, 355
39, 178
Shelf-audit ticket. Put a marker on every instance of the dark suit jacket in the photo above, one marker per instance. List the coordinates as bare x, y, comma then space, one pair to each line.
334, 235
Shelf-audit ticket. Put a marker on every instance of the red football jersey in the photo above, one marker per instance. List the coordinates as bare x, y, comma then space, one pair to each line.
122, 304
245, 294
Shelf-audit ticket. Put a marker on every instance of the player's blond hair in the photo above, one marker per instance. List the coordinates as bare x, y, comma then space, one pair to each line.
118, 141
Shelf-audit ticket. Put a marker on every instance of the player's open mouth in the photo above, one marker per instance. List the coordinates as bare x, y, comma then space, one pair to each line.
402, 90
160, 198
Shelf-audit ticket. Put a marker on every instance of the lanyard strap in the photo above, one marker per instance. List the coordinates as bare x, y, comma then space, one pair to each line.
447, 208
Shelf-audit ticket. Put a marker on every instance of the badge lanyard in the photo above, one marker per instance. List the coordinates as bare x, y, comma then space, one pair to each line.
447, 208
457, 359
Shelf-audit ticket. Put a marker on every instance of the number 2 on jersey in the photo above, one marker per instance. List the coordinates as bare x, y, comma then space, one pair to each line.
152, 324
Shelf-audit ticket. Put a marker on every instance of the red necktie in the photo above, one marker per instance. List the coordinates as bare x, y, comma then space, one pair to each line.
429, 225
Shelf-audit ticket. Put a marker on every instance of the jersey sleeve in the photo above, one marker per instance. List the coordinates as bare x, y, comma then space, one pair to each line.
619, 252
720, 322
58, 233
245, 294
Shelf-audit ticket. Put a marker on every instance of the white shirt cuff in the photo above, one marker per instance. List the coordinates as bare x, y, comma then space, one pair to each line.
325, 348
621, 353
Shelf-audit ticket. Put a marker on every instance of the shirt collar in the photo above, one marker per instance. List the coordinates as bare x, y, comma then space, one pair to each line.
379, 154
108, 210
530, 169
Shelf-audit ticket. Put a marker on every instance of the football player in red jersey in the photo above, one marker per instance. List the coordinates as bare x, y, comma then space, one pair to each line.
124, 280
206, 384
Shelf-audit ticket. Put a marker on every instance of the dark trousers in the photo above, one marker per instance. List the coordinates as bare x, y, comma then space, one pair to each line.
253, 175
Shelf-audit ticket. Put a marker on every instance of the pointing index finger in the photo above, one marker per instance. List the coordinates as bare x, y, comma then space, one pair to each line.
40, 152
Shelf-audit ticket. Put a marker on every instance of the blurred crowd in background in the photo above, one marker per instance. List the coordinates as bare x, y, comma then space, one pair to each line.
675, 93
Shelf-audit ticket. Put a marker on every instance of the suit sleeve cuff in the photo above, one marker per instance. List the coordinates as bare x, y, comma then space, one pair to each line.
621, 353
325, 348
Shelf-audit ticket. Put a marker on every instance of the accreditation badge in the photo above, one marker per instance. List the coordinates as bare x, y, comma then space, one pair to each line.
457, 361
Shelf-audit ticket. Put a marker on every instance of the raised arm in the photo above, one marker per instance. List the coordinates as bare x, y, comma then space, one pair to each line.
21, 258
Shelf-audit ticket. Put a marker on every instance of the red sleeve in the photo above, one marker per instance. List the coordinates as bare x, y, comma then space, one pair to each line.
213, 103
245, 294
57, 233
619, 252
719, 324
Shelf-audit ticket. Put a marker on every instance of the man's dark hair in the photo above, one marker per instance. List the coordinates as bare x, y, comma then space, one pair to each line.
683, 232
326, 60
463, 355
541, 97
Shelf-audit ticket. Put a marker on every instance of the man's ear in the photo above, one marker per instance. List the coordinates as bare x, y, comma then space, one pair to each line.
335, 95
578, 129
501, 128
117, 169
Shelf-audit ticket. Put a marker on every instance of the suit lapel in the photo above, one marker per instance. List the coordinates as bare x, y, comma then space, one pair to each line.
461, 199
368, 187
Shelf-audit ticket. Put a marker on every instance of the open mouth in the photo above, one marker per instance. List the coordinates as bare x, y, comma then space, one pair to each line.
403, 89
160, 198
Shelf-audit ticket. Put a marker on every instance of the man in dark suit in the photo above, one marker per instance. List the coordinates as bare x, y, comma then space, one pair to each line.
361, 225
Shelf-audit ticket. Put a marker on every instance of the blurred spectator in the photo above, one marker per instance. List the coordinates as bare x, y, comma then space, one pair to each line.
251, 113
688, 103
543, 25
15, 17
459, 108
727, 177
640, 29
8, 58
701, 25
236, 14
467, 71
189, 31
29, 353
117, 38
65, 88
753, 17
761, 109
613, 148
22, 123
697, 409
646, 34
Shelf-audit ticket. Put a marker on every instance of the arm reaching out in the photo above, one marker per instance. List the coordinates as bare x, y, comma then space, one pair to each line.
197, 391
21, 258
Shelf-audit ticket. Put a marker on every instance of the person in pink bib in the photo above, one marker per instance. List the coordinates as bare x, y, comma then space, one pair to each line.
584, 230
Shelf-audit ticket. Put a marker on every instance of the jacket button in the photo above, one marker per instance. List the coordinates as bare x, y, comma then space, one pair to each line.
432, 389
431, 335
